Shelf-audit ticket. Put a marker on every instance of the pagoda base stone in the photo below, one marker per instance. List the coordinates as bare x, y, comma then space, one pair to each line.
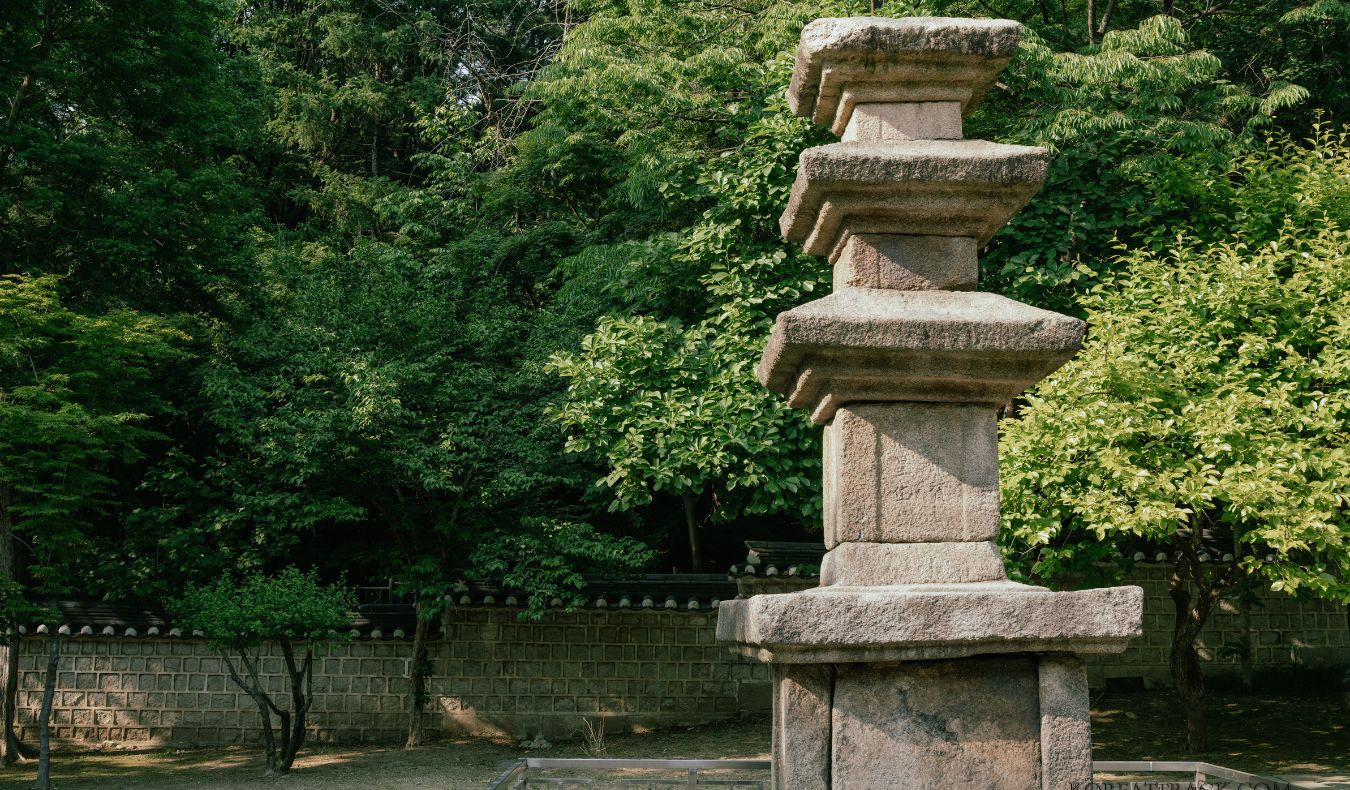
802, 701
1014, 722
919, 622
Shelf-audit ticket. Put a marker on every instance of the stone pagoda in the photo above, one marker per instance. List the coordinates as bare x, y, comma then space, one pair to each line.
917, 664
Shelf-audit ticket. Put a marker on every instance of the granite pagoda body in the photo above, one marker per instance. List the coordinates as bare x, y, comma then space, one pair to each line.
917, 663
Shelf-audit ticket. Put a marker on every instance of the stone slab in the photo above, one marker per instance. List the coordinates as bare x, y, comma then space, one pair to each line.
907, 263
801, 726
929, 621
867, 344
914, 187
845, 61
911, 473
1066, 727
937, 725
876, 564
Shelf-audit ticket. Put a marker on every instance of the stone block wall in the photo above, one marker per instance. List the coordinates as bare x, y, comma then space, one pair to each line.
1286, 633
498, 676
494, 676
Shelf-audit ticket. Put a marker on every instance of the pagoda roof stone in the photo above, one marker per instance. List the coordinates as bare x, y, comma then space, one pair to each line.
870, 344
913, 187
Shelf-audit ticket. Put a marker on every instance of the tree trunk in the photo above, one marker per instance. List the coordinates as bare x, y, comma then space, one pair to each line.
10, 747
418, 672
1106, 17
42, 48
1244, 618
253, 687
293, 721
695, 552
1192, 612
1245, 624
44, 769
1185, 663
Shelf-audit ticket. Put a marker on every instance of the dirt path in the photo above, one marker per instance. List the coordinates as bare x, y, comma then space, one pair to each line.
1272, 736
446, 765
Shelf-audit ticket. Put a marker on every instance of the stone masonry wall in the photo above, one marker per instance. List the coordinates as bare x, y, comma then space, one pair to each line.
495, 675
1286, 633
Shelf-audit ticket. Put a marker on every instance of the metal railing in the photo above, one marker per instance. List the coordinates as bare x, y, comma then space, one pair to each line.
1200, 773
515, 774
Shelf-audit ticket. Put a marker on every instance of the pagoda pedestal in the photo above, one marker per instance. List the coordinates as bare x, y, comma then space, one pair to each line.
917, 663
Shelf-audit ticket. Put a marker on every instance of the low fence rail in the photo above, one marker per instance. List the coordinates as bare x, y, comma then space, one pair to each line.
516, 775
1202, 776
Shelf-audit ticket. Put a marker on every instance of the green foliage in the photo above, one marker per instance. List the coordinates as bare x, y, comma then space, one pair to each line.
547, 558
72, 412
1212, 391
16, 610
374, 389
677, 408
118, 152
1135, 125
402, 248
663, 392
245, 612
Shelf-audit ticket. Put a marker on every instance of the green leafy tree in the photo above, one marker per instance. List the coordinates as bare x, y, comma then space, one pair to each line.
1210, 399
1141, 123
684, 265
72, 413
120, 152
547, 557
1130, 123
1261, 44
244, 618
368, 389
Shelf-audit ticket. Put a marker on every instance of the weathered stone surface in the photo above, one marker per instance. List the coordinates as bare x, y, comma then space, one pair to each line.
842, 62
907, 263
933, 653
1066, 728
915, 187
801, 726
929, 621
867, 344
875, 564
937, 725
933, 120
911, 472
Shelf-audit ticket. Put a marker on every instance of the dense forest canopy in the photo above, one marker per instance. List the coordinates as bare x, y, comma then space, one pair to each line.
414, 289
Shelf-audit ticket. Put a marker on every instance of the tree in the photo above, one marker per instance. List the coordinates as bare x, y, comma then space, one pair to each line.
1131, 124
693, 153
245, 617
120, 143
657, 392
72, 412
1210, 401
16, 611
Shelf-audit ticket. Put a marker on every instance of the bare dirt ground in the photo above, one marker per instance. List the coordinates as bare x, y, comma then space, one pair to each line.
1293, 737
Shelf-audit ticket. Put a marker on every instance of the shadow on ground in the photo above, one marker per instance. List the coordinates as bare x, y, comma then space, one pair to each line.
1265, 735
